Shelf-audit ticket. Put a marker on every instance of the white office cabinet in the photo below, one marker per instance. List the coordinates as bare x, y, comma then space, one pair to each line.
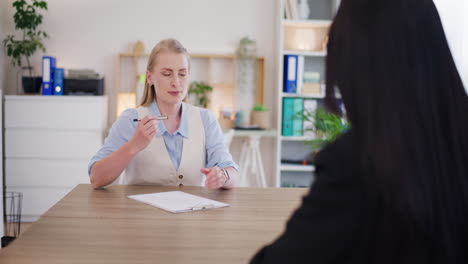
49, 141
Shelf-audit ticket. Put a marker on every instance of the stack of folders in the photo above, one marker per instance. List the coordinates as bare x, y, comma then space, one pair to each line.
291, 9
311, 84
52, 77
294, 122
297, 80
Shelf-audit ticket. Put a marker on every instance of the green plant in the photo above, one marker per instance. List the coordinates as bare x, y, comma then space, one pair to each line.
327, 127
27, 19
200, 90
260, 108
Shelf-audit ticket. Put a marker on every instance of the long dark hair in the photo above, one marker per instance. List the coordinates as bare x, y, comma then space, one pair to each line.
408, 109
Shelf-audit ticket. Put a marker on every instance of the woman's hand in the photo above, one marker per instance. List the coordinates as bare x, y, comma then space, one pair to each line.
144, 133
215, 177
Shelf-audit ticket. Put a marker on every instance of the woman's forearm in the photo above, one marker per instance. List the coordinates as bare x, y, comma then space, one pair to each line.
105, 171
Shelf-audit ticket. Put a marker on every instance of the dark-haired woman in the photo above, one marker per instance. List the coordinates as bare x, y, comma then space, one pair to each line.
394, 189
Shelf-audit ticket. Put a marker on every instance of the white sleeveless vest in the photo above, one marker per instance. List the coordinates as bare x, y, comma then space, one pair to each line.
153, 165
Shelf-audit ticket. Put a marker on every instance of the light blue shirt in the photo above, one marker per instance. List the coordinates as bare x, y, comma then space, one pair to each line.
122, 130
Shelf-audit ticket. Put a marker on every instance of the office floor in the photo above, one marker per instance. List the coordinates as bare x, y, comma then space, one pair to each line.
24, 227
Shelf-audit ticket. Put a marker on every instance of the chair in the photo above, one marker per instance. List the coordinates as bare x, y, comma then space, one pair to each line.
121, 179
228, 135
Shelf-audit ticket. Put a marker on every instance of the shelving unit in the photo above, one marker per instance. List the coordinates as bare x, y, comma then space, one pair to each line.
217, 70
292, 34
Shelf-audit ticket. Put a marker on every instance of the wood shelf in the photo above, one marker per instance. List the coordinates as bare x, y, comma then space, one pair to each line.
212, 73
292, 167
321, 53
261, 133
193, 55
299, 138
302, 23
303, 96
223, 85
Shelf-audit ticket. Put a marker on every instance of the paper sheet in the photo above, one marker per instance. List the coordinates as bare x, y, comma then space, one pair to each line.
177, 201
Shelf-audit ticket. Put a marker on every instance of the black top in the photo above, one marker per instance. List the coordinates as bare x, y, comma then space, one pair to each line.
342, 221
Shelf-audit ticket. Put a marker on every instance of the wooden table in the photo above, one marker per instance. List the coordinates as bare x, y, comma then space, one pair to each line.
104, 226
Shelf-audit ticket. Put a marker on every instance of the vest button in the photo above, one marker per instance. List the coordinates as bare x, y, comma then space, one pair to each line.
181, 176
180, 185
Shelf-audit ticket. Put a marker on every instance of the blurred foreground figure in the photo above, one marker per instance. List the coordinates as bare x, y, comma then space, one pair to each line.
394, 188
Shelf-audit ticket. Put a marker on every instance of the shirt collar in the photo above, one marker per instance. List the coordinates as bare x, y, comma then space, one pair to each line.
183, 127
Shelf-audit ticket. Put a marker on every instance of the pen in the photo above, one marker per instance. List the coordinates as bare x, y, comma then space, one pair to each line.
157, 118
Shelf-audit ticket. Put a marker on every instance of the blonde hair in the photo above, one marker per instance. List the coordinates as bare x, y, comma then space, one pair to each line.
172, 45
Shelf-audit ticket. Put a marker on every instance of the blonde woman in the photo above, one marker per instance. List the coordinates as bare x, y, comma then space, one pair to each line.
178, 151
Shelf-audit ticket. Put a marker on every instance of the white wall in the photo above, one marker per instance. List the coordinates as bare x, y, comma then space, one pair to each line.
453, 15
90, 33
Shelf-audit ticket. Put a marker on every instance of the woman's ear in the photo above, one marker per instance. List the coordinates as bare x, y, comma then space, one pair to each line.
148, 78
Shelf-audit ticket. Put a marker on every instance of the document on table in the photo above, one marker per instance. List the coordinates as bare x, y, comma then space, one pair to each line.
177, 201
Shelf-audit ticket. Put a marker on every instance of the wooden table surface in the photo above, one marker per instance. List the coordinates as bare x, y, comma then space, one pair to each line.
104, 226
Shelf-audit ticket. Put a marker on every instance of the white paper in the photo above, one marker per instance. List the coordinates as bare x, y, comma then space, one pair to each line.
177, 201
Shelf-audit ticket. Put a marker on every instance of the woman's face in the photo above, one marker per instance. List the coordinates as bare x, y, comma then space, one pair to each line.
170, 77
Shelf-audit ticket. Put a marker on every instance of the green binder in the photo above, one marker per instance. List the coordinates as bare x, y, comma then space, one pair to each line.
288, 115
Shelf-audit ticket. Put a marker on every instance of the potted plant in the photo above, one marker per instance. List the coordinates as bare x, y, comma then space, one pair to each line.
260, 116
327, 127
27, 19
247, 48
200, 91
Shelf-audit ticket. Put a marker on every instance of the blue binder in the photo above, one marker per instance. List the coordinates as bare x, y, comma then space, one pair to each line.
48, 68
290, 73
58, 81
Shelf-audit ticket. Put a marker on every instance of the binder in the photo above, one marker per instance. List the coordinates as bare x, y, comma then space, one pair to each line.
287, 10
297, 117
294, 9
288, 115
300, 74
58, 81
48, 68
290, 74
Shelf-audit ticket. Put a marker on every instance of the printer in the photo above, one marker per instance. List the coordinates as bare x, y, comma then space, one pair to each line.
83, 82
